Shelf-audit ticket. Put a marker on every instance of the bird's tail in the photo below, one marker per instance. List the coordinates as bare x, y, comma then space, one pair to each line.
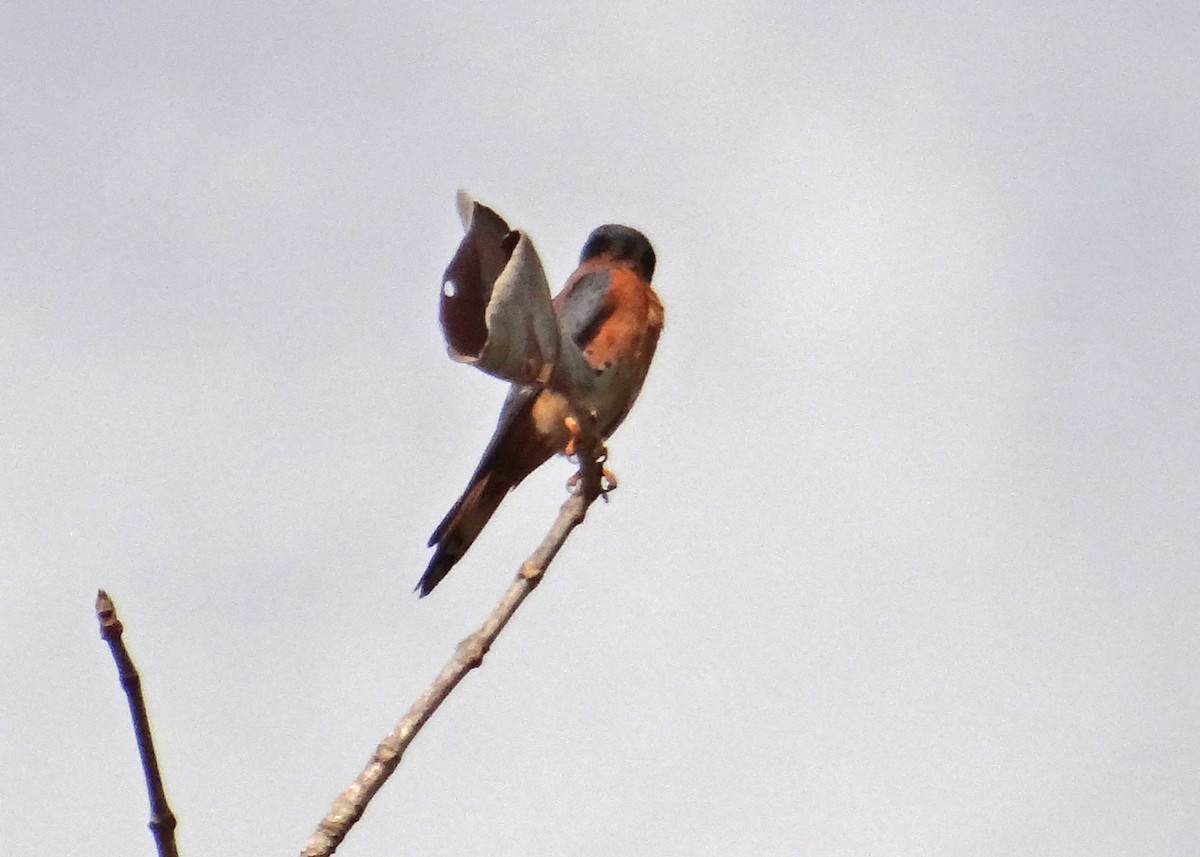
461, 526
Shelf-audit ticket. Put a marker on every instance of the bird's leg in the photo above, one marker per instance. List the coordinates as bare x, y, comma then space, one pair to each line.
608, 482
587, 447
608, 479
576, 433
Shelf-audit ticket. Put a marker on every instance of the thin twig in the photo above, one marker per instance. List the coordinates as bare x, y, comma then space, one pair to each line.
351, 804
162, 820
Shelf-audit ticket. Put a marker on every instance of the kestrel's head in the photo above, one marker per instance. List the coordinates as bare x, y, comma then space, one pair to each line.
622, 244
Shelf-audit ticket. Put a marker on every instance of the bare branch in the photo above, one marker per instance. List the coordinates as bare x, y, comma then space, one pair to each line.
162, 820
351, 804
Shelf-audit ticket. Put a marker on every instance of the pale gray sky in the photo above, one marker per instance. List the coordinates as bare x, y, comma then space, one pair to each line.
904, 557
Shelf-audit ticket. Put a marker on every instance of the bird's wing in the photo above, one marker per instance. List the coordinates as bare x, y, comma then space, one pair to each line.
585, 306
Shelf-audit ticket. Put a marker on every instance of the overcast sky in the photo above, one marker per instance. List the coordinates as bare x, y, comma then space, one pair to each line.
904, 557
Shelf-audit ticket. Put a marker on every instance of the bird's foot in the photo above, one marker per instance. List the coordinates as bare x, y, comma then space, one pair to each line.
575, 432
608, 479
608, 482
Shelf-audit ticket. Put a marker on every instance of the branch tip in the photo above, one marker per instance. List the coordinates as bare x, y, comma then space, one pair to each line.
162, 820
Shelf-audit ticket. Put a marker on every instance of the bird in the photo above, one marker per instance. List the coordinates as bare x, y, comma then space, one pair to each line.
609, 309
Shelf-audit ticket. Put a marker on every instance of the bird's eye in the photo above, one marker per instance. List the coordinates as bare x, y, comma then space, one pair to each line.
448, 289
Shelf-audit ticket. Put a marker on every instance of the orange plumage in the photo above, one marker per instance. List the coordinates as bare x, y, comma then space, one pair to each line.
609, 309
